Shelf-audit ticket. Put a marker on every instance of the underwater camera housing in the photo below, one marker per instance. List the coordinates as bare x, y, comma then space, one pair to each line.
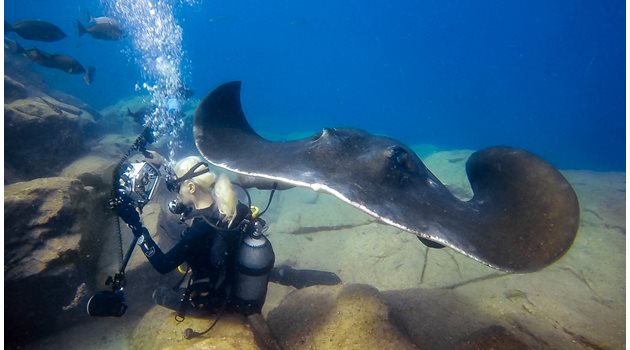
137, 182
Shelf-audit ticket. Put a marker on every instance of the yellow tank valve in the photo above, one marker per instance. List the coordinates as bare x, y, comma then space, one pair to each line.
255, 211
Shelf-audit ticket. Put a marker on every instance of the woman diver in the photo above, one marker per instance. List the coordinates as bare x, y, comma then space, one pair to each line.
224, 246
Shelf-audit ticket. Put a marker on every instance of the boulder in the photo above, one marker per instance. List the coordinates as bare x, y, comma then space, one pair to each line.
21, 69
159, 330
40, 138
50, 252
117, 120
358, 316
335, 317
74, 101
92, 170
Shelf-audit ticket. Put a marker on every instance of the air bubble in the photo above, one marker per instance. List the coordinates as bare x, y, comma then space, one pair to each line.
157, 41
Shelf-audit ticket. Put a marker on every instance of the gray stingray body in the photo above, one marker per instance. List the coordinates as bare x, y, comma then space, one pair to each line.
523, 216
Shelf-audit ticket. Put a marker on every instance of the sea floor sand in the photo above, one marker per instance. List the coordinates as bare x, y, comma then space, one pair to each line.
576, 303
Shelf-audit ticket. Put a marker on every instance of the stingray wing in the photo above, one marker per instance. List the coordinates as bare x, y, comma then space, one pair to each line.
524, 215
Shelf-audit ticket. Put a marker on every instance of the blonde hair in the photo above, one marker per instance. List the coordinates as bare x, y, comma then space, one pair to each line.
226, 198
204, 180
223, 193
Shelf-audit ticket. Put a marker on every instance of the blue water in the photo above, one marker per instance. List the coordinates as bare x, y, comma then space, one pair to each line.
547, 76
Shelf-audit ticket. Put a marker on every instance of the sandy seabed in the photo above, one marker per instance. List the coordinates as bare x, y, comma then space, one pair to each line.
576, 303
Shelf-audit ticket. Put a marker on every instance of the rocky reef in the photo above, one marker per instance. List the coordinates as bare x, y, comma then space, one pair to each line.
58, 166
60, 236
50, 251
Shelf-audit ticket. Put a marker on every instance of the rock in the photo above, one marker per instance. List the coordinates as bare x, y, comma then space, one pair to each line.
89, 117
74, 101
13, 90
38, 213
159, 330
21, 69
335, 317
92, 170
39, 138
50, 252
112, 146
116, 120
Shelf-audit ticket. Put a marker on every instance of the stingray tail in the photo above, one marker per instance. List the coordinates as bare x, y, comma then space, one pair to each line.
81, 29
528, 213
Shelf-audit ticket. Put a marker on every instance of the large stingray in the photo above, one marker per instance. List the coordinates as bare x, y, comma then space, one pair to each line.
523, 216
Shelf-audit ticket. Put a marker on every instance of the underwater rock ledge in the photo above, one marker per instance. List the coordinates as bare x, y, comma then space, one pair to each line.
42, 136
51, 248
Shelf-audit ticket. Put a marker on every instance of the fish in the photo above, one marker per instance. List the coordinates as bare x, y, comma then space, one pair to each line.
74, 101
35, 30
61, 62
106, 30
138, 115
101, 20
523, 216
52, 106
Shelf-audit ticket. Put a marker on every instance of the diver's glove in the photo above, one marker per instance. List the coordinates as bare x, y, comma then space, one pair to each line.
130, 216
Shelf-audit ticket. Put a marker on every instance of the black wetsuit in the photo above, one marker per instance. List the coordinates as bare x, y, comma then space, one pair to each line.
210, 254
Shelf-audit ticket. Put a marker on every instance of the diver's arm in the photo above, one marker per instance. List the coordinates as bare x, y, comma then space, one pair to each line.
162, 262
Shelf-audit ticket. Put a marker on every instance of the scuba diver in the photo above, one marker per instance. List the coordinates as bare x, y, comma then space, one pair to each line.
216, 245
223, 245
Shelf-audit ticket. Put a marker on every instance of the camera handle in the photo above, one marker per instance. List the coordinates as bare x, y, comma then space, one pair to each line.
119, 281
106, 303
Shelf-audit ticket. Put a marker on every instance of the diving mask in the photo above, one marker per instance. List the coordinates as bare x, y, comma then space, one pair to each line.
173, 183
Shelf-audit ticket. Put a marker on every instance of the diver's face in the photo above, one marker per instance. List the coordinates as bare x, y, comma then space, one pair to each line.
186, 193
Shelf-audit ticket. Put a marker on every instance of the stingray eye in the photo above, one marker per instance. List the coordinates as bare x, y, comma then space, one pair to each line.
398, 157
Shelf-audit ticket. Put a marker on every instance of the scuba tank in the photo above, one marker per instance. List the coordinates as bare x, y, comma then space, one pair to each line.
254, 261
